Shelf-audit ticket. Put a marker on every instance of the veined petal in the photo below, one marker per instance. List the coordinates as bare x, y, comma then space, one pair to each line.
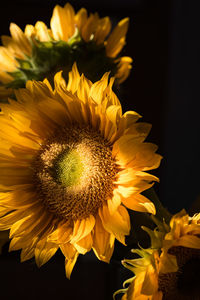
82, 228
62, 22
42, 32
44, 251
74, 79
140, 203
117, 224
98, 88
20, 38
114, 202
84, 245
7, 61
71, 255
116, 40
103, 242
102, 30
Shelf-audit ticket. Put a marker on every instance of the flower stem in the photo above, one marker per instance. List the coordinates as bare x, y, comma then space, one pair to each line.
161, 211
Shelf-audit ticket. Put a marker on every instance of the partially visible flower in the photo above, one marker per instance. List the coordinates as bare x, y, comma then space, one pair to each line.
170, 269
71, 164
40, 52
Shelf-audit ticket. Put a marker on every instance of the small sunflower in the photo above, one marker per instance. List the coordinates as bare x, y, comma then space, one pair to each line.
170, 268
40, 52
70, 165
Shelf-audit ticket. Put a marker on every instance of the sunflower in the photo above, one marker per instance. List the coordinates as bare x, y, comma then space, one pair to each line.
71, 163
40, 52
171, 270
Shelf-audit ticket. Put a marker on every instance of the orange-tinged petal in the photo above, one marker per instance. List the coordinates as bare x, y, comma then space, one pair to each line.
190, 241
140, 203
118, 223
69, 265
74, 79
27, 253
124, 68
103, 242
84, 245
42, 32
150, 283
44, 251
114, 202
7, 61
82, 228
98, 88
20, 39
62, 22
102, 30
81, 18
116, 40
89, 27
71, 255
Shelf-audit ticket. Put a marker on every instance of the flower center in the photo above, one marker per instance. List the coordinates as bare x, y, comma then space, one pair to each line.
69, 168
74, 173
183, 284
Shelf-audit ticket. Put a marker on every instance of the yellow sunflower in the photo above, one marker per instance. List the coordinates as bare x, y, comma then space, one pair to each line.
170, 269
71, 163
40, 52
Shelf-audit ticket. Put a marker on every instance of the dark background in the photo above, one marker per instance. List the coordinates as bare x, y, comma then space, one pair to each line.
163, 40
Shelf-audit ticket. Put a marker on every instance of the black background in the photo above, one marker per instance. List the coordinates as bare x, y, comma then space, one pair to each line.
163, 40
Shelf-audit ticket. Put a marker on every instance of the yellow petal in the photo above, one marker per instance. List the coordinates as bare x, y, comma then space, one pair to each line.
74, 78
81, 18
82, 228
84, 245
89, 27
71, 256
128, 119
114, 202
7, 61
44, 251
116, 40
62, 22
168, 263
118, 224
150, 283
140, 203
61, 234
20, 39
103, 242
123, 68
98, 88
27, 253
102, 30
69, 265
42, 32
13, 47
190, 241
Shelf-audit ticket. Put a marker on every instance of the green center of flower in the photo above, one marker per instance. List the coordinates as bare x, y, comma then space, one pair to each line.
69, 169
75, 173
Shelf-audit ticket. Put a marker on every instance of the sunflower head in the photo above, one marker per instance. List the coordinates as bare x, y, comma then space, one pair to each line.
71, 165
40, 52
170, 268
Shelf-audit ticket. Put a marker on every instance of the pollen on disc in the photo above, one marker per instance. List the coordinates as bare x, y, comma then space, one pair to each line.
74, 173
